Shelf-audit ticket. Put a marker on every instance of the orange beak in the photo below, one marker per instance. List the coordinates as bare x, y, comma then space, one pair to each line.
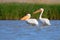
25, 18
37, 11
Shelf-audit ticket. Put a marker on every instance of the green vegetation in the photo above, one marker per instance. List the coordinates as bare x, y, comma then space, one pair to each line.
15, 11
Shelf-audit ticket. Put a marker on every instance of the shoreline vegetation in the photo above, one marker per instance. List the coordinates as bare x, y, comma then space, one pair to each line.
15, 11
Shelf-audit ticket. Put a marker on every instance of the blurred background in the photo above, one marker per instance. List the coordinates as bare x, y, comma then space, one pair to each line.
16, 9
33, 1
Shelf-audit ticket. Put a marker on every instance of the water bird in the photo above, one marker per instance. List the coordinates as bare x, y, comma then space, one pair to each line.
29, 20
44, 21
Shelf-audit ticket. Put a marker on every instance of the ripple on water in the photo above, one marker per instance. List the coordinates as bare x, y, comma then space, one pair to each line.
20, 30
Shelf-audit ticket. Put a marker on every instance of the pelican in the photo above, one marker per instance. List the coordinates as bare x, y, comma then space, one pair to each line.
29, 20
45, 21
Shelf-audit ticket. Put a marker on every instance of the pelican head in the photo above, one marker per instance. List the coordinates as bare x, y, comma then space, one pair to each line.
29, 15
40, 10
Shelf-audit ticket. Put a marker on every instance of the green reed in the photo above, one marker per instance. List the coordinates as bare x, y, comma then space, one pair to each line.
15, 11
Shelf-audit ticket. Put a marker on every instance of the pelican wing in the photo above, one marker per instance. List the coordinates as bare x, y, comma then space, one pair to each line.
32, 21
46, 21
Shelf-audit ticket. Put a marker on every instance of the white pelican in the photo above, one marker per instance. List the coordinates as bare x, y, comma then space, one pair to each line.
45, 21
29, 20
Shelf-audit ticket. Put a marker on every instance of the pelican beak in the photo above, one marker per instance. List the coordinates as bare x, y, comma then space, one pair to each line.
37, 11
25, 18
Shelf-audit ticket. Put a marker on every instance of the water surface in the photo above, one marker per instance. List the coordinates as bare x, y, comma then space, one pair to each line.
20, 30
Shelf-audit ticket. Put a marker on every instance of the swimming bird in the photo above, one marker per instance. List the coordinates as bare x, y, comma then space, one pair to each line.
45, 21
28, 19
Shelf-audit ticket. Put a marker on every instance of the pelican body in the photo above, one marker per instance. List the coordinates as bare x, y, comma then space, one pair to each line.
29, 20
45, 21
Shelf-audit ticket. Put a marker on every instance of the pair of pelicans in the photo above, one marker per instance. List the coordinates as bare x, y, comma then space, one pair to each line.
27, 18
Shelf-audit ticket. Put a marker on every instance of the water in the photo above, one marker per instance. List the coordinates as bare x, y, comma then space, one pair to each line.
20, 30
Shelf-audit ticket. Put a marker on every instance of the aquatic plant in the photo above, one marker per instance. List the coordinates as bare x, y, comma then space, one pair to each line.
14, 11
